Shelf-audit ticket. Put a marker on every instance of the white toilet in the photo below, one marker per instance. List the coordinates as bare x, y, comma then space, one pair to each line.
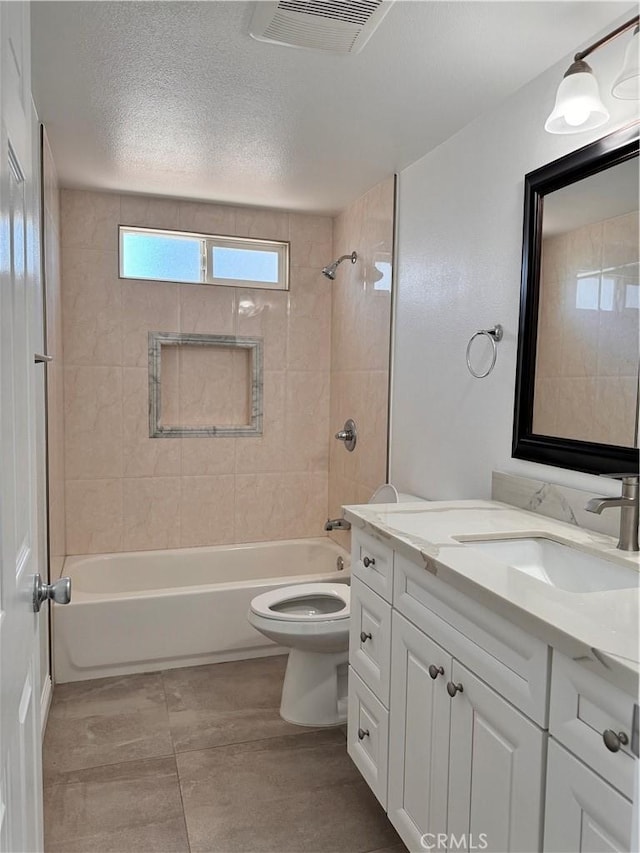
312, 619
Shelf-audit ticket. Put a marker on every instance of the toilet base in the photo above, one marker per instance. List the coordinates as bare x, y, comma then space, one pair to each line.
315, 688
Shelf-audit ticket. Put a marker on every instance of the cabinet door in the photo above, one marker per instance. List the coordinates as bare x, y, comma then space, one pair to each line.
368, 736
370, 639
584, 814
418, 735
495, 771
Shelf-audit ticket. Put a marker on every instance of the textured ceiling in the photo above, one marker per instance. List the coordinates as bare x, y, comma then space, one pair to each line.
175, 98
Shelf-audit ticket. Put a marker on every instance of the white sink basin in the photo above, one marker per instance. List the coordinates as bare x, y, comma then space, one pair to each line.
558, 565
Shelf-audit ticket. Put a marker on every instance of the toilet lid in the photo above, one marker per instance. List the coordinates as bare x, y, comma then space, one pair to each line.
311, 602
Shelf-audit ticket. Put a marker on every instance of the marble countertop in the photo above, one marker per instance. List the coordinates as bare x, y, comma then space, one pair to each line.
601, 629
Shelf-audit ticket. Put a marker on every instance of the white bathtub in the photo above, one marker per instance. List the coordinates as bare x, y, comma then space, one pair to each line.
150, 610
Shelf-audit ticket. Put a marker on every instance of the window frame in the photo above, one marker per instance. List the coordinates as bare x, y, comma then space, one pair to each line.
207, 243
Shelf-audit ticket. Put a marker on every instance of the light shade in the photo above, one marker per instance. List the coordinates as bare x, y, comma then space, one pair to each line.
627, 83
578, 106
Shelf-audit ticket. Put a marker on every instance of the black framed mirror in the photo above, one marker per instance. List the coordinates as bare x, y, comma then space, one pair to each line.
576, 402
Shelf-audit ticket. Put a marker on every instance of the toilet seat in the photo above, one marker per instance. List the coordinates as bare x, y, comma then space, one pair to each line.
336, 598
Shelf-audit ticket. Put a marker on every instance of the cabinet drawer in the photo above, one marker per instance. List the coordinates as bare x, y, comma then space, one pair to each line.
583, 812
513, 662
583, 707
372, 562
368, 736
370, 639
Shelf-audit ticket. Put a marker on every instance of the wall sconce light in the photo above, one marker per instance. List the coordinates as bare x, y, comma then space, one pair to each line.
578, 105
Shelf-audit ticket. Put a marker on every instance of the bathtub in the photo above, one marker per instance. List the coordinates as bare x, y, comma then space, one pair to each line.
151, 610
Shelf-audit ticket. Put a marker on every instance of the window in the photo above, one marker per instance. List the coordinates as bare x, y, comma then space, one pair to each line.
148, 253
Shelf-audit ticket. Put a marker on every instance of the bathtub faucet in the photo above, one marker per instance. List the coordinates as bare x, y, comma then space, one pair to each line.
337, 524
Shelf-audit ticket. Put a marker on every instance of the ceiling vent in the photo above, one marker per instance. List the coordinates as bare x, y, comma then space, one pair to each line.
337, 26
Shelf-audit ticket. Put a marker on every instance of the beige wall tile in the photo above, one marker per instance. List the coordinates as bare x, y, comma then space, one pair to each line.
621, 239
209, 310
309, 344
360, 330
207, 507
147, 306
151, 513
575, 407
267, 453
213, 385
106, 329
144, 456
311, 240
93, 422
545, 406
207, 218
579, 343
54, 347
618, 341
263, 224
91, 307
209, 455
94, 516
615, 410
89, 220
306, 424
149, 212
265, 314
280, 506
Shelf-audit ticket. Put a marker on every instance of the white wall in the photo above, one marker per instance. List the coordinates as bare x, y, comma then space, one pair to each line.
459, 255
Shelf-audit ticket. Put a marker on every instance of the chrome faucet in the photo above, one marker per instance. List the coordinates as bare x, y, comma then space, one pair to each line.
628, 503
337, 524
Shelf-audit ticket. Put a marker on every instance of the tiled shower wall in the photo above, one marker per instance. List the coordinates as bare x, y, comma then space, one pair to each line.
125, 491
361, 323
587, 364
55, 370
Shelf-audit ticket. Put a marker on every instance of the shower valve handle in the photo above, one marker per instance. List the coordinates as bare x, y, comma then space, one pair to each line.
348, 434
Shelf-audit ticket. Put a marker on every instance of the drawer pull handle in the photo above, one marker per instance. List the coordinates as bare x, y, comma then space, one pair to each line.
614, 741
368, 561
435, 671
363, 733
452, 688
364, 636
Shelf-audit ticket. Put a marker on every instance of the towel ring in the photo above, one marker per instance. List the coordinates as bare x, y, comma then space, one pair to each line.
495, 335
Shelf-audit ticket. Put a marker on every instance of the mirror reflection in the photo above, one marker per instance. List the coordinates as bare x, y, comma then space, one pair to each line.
586, 379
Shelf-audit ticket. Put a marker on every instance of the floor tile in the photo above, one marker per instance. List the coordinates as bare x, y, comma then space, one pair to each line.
106, 721
226, 703
280, 795
121, 808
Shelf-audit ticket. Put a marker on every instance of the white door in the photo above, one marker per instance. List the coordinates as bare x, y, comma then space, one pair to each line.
418, 736
496, 762
20, 755
584, 814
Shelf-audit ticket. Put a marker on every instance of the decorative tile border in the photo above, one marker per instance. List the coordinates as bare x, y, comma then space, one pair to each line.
159, 339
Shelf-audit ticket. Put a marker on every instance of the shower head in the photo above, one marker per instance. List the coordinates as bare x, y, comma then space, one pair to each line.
330, 271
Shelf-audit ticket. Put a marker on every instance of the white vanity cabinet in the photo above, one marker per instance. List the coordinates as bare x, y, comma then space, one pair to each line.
589, 786
469, 764
584, 814
465, 764
449, 706
419, 734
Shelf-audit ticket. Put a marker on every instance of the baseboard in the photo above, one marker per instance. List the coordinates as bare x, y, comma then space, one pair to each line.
45, 703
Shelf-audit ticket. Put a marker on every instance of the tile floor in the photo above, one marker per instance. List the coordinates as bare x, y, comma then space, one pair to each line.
199, 759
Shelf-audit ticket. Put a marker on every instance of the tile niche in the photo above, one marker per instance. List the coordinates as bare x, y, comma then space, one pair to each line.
204, 385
